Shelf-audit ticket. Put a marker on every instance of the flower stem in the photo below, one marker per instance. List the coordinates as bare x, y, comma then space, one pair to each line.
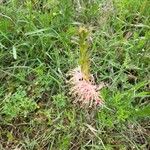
84, 54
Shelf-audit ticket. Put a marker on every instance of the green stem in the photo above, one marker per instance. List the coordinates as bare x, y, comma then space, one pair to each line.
84, 54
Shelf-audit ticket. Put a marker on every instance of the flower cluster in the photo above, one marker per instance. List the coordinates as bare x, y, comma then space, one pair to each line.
83, 91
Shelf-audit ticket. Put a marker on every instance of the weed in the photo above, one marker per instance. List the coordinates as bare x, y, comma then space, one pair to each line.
60, 100
39, 45
17, 104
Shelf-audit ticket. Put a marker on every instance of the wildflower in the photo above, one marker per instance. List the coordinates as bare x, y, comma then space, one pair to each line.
83, 88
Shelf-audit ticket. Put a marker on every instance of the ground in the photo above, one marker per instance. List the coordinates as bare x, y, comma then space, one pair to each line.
39, 45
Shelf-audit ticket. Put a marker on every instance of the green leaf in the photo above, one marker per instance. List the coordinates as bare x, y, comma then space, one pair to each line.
145, 112
143, 94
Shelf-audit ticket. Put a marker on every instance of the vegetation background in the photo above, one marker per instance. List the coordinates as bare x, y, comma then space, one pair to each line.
38, 46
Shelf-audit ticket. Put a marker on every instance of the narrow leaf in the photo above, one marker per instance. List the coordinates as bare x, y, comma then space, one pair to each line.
143, 112
14, 52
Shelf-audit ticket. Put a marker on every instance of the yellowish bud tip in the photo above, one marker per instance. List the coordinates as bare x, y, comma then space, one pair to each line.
83, 32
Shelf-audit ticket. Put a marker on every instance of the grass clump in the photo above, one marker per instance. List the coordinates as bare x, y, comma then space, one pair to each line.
39, 45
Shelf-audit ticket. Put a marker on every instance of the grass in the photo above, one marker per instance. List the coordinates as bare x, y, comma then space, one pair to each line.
38, 46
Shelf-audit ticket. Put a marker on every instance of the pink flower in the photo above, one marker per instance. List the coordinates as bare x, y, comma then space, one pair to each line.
84, 92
